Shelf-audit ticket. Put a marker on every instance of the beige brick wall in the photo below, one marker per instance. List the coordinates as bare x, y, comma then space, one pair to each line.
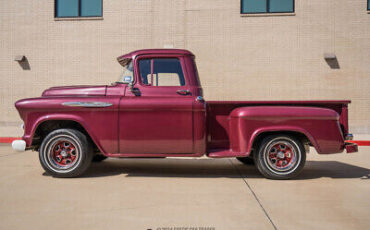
239, 58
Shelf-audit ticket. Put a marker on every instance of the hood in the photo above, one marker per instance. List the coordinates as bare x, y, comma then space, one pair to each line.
79, 90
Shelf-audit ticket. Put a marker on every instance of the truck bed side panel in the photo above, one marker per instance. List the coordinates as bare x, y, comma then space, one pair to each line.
319, 125
218, 114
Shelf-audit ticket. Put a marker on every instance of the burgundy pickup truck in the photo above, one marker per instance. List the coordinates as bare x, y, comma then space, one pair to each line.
156, 109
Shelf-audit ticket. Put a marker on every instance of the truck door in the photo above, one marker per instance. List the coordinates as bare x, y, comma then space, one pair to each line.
156, 114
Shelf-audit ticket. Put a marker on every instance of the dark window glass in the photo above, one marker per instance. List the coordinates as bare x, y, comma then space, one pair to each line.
91, 8
145, 70
368, 4
78, 8
161, 72
254, 6
281, 6
267, 6
67, 8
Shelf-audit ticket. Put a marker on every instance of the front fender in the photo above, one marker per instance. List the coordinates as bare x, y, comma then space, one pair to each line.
101, 123
33, 124
321, 126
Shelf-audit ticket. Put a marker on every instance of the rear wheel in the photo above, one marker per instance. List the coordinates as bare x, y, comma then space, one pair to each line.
280, 157
65, 153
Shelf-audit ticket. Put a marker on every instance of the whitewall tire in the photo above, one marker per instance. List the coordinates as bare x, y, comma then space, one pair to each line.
65, 153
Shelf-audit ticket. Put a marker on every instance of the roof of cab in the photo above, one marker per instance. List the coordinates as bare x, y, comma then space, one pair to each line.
132, 54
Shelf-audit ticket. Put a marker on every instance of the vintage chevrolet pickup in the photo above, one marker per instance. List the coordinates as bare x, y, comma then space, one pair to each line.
156, 109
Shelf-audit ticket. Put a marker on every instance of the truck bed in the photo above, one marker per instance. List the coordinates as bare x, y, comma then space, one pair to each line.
219, 111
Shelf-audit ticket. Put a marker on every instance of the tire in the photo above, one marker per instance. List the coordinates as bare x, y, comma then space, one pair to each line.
65, 153
246, 160
99, 158
280, 157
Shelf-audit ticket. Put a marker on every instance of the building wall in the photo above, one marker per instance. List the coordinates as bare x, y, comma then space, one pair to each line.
239, 57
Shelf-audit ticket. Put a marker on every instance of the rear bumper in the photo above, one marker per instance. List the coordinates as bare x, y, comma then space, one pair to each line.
351, 147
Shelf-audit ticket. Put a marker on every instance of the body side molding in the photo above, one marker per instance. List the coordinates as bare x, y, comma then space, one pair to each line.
95, 104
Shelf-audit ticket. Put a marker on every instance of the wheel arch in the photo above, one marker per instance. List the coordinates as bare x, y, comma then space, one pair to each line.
45, 126
305, 138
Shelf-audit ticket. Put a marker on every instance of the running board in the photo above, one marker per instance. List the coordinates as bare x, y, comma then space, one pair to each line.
221, 153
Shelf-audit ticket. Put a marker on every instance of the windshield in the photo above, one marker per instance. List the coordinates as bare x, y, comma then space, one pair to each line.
127, 74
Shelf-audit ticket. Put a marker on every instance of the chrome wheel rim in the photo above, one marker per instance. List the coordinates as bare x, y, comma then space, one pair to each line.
62, 154
282, 156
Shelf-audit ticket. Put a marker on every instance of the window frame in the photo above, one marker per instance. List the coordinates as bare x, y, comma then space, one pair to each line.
267, 9
79, 11
137, 70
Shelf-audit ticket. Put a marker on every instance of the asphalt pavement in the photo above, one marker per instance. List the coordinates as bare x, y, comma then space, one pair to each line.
331, 193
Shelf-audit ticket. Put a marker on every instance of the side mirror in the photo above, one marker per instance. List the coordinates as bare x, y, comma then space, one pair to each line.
131, 86
133, 90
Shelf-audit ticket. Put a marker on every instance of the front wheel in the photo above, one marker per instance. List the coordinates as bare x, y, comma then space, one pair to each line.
280, 157
65, 153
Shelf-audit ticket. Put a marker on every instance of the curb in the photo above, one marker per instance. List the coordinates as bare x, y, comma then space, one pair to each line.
10, 139
360, 143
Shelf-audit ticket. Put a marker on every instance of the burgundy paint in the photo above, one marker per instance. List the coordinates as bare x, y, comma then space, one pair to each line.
351, 147
160, 122
100, 123
218, 112
320, 125
75, 91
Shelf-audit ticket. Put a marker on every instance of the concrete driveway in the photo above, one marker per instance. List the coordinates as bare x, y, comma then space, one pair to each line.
331, 193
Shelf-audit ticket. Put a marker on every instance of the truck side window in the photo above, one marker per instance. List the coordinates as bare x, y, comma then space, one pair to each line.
145, 70
161, 72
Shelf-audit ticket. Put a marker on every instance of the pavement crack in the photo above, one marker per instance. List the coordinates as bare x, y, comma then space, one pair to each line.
254, 194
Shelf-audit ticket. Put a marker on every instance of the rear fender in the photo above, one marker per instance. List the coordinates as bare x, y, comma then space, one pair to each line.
275, 130
319, 125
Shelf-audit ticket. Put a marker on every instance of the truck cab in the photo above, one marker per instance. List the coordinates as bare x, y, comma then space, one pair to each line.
162, 111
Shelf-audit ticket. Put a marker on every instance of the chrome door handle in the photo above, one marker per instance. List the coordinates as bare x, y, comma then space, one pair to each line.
183, 92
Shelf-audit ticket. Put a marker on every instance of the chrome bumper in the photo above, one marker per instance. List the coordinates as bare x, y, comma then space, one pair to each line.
19, 145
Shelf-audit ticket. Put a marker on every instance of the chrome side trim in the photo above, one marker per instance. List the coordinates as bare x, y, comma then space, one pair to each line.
94, 104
